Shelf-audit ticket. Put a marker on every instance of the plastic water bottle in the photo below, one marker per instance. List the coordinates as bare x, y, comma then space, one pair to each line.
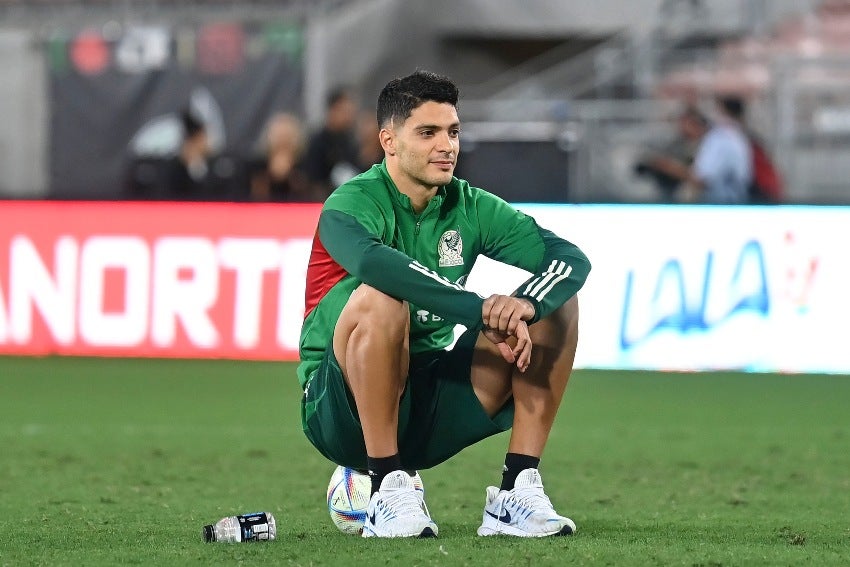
259, 526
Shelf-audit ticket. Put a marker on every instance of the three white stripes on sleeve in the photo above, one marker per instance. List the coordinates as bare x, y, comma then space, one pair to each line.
543, 284
536, 289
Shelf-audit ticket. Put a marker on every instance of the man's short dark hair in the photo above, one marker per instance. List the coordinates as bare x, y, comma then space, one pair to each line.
402, 95
732, 105
337, 95
192, 125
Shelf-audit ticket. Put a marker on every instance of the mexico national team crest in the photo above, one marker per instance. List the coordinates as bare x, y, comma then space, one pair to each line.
450, 249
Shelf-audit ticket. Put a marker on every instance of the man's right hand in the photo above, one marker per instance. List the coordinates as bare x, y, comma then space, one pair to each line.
521, 353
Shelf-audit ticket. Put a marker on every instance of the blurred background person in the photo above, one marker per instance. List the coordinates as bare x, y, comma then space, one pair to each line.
691, 126
188, 172
276, 175
371, 151
333, 156
766, 186
722, 171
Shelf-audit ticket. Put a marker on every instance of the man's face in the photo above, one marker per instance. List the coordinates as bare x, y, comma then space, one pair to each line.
426, 145
343, 115
691, 128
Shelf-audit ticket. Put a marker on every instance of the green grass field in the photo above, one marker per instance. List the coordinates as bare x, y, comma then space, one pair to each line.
106, 462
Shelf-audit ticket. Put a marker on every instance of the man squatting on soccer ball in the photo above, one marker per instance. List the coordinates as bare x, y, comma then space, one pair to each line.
393, 248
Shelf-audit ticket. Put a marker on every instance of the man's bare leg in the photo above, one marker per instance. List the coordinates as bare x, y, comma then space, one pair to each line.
538, 391
520, 507
371, 345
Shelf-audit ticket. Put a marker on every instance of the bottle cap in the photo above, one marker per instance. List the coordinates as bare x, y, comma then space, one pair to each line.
209, 534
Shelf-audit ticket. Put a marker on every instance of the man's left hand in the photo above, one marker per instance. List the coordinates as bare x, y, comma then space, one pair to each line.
504, 313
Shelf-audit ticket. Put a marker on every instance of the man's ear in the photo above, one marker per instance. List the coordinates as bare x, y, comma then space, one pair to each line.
387, 137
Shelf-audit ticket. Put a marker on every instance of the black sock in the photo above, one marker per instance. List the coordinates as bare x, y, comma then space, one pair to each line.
515, 463
379, 467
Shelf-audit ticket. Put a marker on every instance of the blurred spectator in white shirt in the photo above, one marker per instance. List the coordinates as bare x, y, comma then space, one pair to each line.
721, 172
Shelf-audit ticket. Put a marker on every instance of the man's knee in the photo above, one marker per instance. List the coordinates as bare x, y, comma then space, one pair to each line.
561, 325
374, 311
372, 335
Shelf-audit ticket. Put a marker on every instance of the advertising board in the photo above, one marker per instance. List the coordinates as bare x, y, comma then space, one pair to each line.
672, 288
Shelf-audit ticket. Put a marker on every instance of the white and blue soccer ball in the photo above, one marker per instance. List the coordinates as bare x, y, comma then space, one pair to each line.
348, 497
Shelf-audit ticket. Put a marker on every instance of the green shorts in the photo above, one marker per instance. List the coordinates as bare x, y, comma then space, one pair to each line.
439, 414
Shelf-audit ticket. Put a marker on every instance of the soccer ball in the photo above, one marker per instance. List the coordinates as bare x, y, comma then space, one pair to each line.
348, 497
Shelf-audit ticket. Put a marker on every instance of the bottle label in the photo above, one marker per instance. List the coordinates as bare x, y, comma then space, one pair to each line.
255, 527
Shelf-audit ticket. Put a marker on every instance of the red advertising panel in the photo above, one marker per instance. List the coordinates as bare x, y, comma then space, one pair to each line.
154, 279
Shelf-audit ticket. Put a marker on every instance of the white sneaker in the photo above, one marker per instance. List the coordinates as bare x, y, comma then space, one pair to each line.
524, 511
398, 510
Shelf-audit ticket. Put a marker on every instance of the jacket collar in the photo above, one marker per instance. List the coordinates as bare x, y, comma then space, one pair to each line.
403, 199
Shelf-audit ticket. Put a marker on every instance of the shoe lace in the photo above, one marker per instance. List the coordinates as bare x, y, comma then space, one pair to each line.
405, 503
534, 499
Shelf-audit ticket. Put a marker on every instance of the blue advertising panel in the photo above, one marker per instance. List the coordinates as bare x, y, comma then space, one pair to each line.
702, 288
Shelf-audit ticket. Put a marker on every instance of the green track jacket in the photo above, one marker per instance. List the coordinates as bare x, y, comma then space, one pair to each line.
369, 233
